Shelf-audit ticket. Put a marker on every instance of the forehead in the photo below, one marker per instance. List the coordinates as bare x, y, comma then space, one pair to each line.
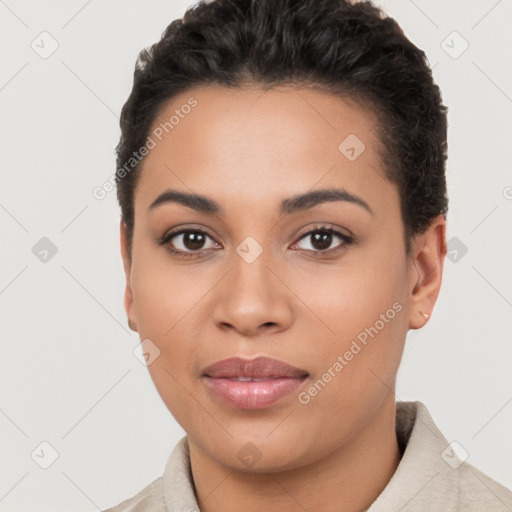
247, 145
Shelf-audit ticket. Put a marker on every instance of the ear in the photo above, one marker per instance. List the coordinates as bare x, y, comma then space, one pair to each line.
127, 264
428, 251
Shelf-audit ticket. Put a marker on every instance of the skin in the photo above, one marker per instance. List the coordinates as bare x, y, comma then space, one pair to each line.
248, 149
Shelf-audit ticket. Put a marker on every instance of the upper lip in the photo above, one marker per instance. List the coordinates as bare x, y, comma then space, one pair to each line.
259, 367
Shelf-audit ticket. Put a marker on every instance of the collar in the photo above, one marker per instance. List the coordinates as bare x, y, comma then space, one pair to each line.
424, 475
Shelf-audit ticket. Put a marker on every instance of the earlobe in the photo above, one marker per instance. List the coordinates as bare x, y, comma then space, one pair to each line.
127, 265
426, 269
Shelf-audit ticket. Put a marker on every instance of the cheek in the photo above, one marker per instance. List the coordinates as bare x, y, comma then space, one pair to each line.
164, 304
353, 296
162, 314
363, 303
161, 302
163, 292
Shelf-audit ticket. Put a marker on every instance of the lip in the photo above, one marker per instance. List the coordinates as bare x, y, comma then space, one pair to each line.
275, 380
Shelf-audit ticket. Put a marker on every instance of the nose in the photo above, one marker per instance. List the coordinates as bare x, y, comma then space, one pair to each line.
252, 299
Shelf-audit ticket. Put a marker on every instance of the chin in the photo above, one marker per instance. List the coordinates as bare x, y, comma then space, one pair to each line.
257, 454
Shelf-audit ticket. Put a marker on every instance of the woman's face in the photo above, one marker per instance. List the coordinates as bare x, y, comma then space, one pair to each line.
335, 305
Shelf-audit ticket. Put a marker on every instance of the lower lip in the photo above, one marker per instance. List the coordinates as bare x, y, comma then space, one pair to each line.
253, 395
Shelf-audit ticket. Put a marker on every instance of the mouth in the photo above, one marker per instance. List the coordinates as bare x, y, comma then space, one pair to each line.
252, 384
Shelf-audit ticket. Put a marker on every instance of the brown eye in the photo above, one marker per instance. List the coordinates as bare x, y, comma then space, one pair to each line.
187, 242
322, 238
193, 240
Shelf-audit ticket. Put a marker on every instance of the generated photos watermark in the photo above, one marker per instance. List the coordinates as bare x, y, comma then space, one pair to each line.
357, 345
100, 192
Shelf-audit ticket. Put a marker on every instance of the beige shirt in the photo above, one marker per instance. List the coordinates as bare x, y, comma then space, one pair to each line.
430, 476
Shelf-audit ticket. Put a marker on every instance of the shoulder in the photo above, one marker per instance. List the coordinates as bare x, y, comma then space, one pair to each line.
431, 476
149, 498
174, 490
476, 489
472, 490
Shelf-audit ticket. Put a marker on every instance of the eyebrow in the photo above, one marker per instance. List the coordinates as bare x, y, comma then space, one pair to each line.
294, 204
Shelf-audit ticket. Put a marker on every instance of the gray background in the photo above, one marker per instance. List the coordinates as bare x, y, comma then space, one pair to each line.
68, 374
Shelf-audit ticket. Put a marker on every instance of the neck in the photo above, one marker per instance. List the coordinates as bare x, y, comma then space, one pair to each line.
349, 479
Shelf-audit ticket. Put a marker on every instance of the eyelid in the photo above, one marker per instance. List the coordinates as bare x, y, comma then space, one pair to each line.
177, 230
325, 226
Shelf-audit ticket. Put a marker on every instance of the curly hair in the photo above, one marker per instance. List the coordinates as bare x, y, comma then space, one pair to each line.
350, 49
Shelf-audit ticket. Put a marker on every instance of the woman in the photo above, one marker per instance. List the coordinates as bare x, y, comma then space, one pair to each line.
281, 177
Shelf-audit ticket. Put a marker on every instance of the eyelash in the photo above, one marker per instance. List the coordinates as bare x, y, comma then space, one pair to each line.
167, 237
